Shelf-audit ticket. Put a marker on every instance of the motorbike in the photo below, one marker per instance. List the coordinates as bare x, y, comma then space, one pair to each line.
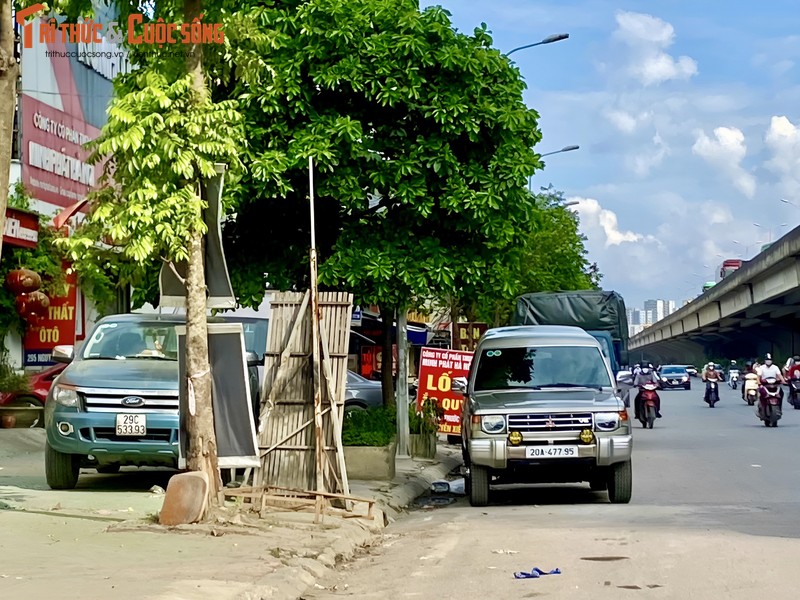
751, 388
794, 391
649, 400
769, 409
712, 392
733, 378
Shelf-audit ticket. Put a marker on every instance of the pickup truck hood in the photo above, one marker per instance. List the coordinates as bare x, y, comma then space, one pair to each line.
135, 374
547, 400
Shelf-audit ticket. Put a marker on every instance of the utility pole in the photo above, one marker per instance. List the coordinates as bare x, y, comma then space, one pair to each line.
402, 381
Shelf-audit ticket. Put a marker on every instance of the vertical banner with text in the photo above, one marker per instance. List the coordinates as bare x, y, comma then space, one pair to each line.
57, 328
437, 369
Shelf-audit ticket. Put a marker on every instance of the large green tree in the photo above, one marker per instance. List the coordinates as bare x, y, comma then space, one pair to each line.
422, 144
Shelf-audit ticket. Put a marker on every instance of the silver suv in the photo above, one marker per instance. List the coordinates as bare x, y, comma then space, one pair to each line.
542, 407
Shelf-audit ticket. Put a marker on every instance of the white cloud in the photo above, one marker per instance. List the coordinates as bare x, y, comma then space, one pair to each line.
783, 140
726, 151
626, 121
649, 37
644, 162
594, 216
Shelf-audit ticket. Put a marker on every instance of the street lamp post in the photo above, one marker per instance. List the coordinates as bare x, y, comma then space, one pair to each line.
770, 229
556, 37
747, 246
564, 149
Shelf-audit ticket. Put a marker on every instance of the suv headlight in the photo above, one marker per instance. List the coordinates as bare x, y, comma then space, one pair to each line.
663, 379
606, 421
685, 378
493, 423
65, 396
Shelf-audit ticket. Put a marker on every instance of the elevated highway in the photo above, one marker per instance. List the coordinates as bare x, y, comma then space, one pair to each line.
749, 313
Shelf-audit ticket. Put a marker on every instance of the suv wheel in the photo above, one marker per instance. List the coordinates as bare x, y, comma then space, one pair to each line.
478, 485
620, 483
61, 470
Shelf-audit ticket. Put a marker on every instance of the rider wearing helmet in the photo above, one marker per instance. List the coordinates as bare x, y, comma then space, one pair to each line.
645, 375
748, 368
770, 370
794, 370
711, 374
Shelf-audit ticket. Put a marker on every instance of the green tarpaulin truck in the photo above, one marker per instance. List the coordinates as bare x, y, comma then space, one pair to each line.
600, 313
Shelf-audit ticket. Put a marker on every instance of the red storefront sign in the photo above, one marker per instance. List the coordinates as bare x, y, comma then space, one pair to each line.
54, 166
437, 369
58, 328
21, 229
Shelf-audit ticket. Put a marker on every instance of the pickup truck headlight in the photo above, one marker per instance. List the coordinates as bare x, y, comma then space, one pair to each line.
606, 421
493, 423
65, 396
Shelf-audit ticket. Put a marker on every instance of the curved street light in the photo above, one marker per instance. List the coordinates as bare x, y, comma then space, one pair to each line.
556, 37
564, 149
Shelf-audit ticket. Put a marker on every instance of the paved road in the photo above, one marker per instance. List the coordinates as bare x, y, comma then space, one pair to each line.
714, 514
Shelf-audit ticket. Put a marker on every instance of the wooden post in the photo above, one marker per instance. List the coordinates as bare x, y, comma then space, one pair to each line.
315, 353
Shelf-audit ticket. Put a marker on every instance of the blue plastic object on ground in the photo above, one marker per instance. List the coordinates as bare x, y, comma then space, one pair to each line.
535, 573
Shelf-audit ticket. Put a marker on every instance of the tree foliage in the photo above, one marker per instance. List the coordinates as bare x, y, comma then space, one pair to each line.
162, 141
552, 258
421, 140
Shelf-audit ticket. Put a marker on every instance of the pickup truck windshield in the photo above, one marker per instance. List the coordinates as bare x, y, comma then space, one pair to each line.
132, 340
551, 366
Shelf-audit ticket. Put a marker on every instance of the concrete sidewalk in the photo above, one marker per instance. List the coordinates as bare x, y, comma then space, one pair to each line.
98, 542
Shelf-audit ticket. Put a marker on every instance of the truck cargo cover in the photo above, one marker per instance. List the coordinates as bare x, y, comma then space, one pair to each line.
587, 309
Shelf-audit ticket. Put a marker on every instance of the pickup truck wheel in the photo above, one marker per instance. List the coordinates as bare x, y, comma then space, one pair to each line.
61, 470
620, 483
478, 485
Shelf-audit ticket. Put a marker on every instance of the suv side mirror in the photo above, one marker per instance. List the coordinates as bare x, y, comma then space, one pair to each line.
63, 354
459, 385
252, 359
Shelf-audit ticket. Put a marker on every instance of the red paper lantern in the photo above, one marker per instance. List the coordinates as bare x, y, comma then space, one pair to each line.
32, 306
23, 281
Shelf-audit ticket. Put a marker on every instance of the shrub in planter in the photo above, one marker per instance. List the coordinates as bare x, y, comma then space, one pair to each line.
369, 443
423, 426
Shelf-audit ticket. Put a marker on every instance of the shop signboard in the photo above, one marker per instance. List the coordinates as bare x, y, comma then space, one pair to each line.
56, 329
468, 334
437, 369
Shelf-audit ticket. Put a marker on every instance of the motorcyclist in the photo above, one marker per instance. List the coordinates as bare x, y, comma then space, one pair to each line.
711, 374
794, 370
769, 369
748, 368
645, 375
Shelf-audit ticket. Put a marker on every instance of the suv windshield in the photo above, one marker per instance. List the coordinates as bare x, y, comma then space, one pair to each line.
130, 339
551, 366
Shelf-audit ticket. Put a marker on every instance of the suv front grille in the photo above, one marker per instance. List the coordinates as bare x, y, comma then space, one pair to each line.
99, 400
550, 422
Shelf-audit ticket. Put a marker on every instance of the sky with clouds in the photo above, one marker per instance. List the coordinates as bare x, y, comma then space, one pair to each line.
688, 118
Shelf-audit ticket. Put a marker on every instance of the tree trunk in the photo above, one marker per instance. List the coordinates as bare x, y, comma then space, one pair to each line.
402, 381
9, 71
387, 318
202, 447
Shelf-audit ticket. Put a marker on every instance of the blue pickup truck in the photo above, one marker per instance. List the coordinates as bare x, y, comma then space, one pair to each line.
116, 403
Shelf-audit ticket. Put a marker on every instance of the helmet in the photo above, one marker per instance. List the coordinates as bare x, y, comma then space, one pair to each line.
768, 359
733, 362
796, 358
748, 364
711, 366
